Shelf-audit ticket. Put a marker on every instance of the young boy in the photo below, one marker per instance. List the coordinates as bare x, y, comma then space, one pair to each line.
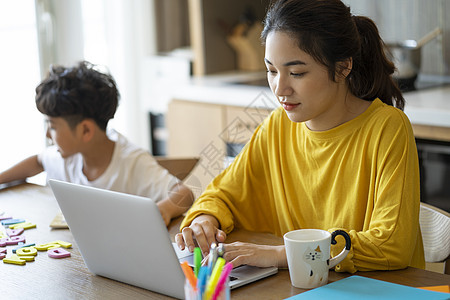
78, 102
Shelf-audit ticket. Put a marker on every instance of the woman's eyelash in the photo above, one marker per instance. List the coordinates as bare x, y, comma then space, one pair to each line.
298, 74
291, 74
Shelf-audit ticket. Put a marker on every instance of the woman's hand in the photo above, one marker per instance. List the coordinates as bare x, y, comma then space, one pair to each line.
205, 230
239, 253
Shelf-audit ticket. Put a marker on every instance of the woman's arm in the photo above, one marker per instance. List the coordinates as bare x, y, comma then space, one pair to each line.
230, 199
256, 255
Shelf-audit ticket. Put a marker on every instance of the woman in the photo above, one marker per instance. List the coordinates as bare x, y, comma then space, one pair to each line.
338, 154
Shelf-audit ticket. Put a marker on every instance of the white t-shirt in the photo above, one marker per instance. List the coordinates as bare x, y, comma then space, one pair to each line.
132, 170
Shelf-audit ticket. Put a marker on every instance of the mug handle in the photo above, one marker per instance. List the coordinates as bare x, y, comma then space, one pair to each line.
348, 243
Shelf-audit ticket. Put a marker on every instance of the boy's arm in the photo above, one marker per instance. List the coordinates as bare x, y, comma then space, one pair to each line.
180, 200
22, 170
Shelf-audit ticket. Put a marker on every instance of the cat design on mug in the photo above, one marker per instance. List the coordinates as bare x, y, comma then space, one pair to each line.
315, 260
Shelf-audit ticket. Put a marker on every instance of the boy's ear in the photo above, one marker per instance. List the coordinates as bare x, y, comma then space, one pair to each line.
88, 128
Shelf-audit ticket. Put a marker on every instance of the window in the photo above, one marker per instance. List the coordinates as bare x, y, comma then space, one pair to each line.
22, 130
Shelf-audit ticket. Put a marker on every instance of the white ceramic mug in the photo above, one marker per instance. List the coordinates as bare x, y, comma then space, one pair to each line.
308, 255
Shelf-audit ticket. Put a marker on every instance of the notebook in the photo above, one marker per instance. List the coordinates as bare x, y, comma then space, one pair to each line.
123, 237
359, 287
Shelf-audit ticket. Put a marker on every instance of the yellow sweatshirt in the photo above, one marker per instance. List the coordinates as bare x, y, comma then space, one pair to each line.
362, 177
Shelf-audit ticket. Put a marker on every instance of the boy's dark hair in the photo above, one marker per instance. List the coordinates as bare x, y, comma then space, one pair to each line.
78, 93
326, 30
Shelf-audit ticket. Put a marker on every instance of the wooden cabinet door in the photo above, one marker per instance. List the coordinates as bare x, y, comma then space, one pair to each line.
241, 122
192, 127
194, 130
205, 131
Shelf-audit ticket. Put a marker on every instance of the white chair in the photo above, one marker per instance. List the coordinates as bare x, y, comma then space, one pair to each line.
435, 227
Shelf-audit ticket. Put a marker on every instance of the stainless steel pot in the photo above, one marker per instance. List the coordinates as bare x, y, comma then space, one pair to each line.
406, 56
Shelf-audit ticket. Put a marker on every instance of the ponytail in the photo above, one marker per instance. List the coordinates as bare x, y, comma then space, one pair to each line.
326, 30
371, 75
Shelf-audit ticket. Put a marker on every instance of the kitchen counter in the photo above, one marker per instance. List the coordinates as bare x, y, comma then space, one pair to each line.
430, 107
224, 89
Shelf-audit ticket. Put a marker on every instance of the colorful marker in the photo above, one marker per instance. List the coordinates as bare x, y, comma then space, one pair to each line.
212, 257
197, 260
201, 280
190, 276
214, 278
222, 280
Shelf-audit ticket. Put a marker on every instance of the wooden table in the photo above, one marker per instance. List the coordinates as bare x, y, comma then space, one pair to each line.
68, 278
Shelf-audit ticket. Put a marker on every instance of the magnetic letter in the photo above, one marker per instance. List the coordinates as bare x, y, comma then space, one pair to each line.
58, 253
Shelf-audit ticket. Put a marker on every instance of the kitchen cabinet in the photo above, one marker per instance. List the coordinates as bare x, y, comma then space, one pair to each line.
210, 22
210, 132
192, 126
241, 122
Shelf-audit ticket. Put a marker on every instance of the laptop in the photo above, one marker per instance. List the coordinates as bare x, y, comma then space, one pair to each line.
123, 237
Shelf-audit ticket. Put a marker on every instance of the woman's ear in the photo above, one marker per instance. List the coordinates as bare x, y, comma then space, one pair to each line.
343, 68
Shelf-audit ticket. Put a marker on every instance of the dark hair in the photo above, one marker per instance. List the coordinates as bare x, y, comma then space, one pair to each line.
78, 93
326, 30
